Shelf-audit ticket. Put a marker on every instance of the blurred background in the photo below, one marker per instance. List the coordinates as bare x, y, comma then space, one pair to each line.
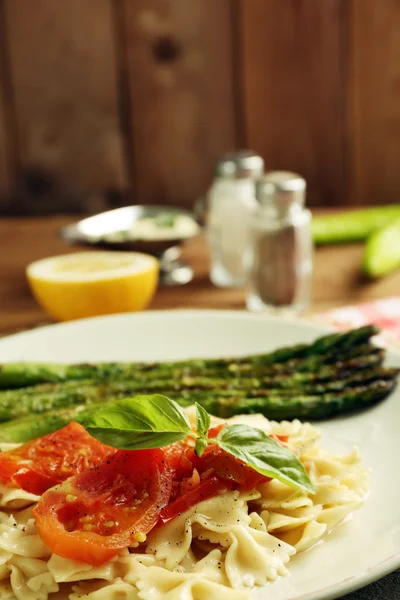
112, 102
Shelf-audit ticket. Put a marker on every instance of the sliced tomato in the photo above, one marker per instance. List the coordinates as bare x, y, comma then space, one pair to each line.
181, 457
214, 431
94, 515
212, 486
187, 469
42, 463
229, 467
199, 478
280, 437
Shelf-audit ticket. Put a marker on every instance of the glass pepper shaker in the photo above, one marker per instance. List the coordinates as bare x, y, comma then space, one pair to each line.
280, 246
231, 202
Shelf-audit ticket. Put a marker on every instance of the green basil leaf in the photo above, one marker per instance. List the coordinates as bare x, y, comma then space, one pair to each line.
201, 445
139, 422
264, 455
202, 421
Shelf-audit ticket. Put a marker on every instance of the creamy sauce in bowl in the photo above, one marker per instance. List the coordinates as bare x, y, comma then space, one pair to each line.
161, 227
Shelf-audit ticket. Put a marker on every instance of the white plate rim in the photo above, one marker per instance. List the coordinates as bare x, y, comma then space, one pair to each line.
186, 312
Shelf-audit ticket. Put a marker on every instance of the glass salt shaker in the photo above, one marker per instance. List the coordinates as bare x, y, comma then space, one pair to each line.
280, 247
231, 202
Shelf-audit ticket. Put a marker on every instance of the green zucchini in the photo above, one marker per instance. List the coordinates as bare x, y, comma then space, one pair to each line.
352, 226
382, 251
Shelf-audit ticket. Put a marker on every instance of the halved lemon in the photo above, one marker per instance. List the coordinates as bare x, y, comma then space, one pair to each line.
86, 284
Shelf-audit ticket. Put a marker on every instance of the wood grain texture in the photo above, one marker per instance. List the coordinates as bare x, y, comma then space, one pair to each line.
64, 75
374, 106
6, 154
293, 90
181, 88
5, 180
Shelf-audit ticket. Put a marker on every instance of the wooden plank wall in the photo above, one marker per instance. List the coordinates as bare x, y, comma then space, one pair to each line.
106, 102
374, 102
5, 168
6, 154
63, 66
292, 84
180, 81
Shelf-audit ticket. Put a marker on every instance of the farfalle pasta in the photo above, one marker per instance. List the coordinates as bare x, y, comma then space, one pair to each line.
225, 545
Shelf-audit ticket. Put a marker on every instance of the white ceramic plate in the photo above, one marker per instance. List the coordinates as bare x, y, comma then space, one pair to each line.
355, 554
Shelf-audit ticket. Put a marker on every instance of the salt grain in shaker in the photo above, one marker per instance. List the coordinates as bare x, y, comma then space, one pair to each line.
231, 202
280, 247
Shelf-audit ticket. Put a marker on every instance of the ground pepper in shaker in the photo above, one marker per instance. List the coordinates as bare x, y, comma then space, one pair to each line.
231, 203
280, 246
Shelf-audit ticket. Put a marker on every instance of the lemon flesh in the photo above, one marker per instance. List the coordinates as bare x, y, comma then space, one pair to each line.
88, 284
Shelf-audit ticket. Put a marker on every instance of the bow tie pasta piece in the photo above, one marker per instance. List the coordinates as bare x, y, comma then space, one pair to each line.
160, 584
255, 557
64, 569
302, 520
21, 540
15, 498
171, 542
32, 587
97, 590
337, 479
135, 565
279, 522
277, 495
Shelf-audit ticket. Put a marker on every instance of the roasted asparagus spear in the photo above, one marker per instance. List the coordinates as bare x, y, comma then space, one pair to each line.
276, 404
46, 397
18, 375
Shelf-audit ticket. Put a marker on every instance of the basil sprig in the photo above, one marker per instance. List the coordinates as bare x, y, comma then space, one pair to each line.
202, 425
156, 421
263, 454
138, 423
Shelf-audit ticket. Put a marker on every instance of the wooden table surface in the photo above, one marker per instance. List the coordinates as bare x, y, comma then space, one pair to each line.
337, 280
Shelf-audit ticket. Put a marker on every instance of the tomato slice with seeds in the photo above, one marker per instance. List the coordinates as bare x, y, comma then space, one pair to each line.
42, 463
94, 515
229, 467
181, 457
214, 431
280, 437
195, 479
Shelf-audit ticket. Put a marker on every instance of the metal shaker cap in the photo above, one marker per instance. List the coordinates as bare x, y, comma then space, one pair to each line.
240, 165
281, 188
